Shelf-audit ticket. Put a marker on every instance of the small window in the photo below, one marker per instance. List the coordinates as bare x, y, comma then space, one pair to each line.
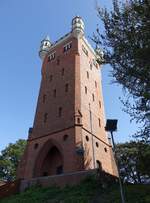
95, 84
65, 137
99, 104
93, 97
91, 66
98, 165
67, 47
36, 145
60, 111
62, 71
66, 87
105, 149
50, 78
44, 98
54, 93
85, 50
87, 138
85, 90
97, 145
99, 122
51, 56
87, 74
45, 117
78, 120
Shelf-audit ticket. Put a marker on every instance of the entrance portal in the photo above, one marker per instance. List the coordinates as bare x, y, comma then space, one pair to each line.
50, 160
52, 163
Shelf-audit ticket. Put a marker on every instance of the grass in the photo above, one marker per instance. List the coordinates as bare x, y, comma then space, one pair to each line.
89, 191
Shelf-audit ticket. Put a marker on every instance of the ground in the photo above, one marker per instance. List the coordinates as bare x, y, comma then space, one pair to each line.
89, 191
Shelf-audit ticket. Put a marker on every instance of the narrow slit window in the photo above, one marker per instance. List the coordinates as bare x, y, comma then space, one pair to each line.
99, 104
78, 120
99, 122
91, 66
93, 97
95, 84
45, 117
44, 98
66, 87
62, 71
54, 92
87, 74
60, 111
85, 90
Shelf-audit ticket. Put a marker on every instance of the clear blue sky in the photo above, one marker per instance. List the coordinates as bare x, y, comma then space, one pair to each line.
23, 24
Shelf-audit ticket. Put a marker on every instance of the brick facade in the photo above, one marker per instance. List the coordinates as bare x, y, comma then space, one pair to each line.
68, 132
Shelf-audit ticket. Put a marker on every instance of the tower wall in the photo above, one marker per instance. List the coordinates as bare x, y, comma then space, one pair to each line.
69, 120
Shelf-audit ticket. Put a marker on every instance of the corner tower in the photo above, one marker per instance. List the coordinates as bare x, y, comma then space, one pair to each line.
68, 133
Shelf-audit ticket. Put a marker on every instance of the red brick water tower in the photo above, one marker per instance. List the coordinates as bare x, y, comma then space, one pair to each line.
68, 133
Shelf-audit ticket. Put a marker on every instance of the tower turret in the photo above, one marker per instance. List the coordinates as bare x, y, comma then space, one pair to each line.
77, 26
44, 48
99, 55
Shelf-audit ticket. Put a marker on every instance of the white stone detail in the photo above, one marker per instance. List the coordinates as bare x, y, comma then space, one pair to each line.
99, 55
78, 27
45, 47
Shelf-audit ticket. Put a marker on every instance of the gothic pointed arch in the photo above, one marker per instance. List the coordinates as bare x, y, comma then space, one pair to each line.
49, 160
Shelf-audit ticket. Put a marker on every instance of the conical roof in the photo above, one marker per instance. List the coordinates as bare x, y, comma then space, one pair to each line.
47, 38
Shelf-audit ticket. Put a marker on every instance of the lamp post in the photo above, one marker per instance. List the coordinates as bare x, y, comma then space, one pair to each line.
111, 126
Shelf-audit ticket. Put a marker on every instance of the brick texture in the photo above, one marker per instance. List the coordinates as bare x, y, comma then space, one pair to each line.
68, 132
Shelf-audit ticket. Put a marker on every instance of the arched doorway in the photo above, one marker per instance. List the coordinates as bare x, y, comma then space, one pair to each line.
50, 160
52, 163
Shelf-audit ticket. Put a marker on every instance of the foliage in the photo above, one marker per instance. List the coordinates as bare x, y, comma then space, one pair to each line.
126, 43
87, 191
134, 159
9, 159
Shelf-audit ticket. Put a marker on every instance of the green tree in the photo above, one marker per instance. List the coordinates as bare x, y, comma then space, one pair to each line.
126, 44
9, 159
134, 159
